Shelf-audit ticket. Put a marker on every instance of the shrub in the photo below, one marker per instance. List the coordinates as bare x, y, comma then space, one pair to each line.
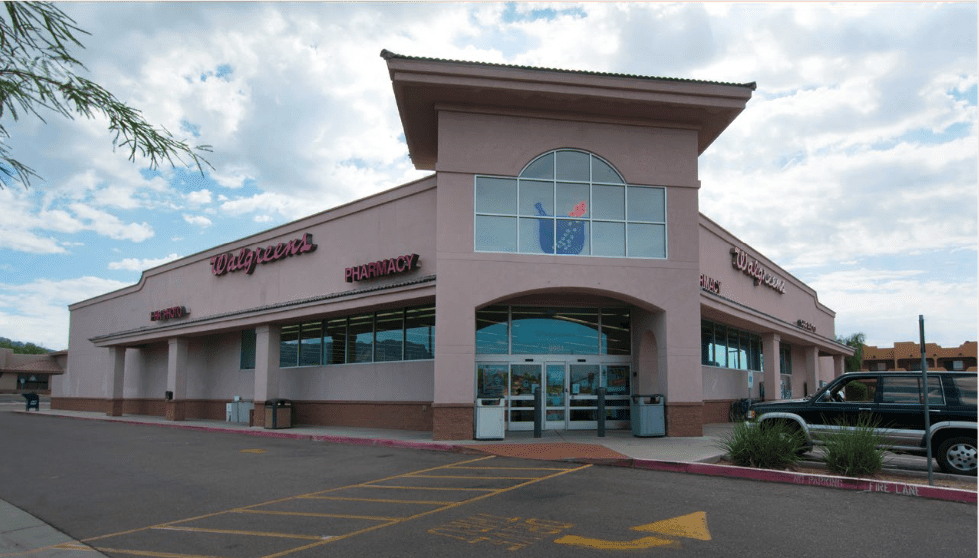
854, 450
767, 445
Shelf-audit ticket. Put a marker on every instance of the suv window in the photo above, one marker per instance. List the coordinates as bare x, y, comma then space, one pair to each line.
853, 391
965, 388
907, 390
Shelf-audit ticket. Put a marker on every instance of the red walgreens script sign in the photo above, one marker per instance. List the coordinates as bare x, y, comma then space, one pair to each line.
246, 259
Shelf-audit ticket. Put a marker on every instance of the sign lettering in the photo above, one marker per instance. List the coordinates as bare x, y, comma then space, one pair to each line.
806, 325
168, 313
753, 268
380, 268
710, 284
246, 259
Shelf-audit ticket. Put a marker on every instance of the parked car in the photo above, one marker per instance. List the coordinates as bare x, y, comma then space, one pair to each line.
895, 400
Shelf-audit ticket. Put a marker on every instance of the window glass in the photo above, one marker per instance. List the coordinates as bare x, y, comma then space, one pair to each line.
786, 385
647, 241
965, 387
571, 236
646, 204
524, 379
491, 380
720, 345
310, 344
602, 172
536, 236
536, 198
935, 395
608, 202
389, 336
542, 167
732, 348
496, 195
420, 333
617, 379
335, 342
496, 234
608, 239
707, 344
616, 333
573, 200
785, 359
360, 338
743, 362
554, 330
289, 346
247, 358
573, 165
491, 331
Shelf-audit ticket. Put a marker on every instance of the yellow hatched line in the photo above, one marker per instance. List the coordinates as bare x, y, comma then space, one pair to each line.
422, 514
316, 514
251, 533
398, 487
435, 502
286, 499
469, 477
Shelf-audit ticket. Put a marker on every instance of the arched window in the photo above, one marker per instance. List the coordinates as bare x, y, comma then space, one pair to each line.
569, 202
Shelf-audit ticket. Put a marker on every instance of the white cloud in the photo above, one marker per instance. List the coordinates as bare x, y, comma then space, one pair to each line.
197, 220
136, 264
37, 312
107, 224
200, 197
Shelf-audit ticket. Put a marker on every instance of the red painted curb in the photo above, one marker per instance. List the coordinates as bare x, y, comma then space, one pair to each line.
828, 481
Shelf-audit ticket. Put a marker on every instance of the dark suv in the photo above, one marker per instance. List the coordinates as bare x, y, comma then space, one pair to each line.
896, 401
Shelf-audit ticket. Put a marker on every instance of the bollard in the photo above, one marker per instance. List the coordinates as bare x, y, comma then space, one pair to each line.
601, 412
538, 411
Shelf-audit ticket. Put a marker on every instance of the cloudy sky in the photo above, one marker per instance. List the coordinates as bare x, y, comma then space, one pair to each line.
854, 165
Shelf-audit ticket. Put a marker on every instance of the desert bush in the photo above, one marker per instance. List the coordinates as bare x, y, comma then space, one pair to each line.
770, 444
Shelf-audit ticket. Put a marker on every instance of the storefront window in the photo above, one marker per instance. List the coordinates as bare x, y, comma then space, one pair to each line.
729, 347
360, 339
492, 331
420, 333
569, 202
311, 344
389, 336
335, 342
785, 359
32, 381
289, 346
553, 331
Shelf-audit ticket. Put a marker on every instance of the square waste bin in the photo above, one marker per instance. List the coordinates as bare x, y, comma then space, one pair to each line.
489, 419
648, 415
278, 413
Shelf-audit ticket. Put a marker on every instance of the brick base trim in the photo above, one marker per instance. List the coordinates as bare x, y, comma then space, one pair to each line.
684, 419
394, 415
717, 411
453, 421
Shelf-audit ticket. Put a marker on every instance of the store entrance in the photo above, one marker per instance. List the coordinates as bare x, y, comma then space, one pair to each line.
571, 392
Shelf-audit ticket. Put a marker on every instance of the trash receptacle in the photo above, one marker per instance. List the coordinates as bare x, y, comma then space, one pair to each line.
648, 416
489, 419
278, 413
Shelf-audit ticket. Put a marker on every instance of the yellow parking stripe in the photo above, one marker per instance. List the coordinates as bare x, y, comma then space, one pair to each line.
398, 487
252, 533
467, 477
379, 500
515, 468
151, 553
316, 514
422, 514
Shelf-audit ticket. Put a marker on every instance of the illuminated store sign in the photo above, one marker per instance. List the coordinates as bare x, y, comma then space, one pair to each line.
710, 284
401, 264
168, 313
806, 325
754, 269
246, 259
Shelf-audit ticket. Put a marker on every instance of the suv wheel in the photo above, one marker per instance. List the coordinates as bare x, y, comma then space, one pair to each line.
958, 456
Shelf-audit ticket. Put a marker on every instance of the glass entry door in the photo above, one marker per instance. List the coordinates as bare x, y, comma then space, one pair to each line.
524, 381
584, 379
557, 396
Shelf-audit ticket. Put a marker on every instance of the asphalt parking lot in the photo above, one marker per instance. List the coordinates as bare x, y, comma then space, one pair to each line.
133, 490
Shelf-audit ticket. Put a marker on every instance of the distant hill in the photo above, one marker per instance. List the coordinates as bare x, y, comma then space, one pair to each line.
22, 348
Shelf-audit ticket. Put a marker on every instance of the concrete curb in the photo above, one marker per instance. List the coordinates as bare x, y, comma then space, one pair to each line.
709, 469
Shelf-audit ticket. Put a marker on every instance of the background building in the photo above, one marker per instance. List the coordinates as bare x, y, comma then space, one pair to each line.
906, 355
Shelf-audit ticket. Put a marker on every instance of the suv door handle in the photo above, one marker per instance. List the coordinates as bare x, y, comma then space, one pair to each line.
864, 409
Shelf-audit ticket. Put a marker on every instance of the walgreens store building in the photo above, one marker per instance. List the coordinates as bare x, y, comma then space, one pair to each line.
558, 242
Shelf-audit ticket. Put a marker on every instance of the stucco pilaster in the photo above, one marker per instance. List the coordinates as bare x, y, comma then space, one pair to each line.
770, 348
266, 365
812, 371
177, 378
116, 381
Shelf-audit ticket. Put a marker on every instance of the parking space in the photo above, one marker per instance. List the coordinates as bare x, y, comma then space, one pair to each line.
288, 525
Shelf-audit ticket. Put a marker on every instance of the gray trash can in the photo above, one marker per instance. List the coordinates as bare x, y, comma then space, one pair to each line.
278, 413
489, 419
648, 415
